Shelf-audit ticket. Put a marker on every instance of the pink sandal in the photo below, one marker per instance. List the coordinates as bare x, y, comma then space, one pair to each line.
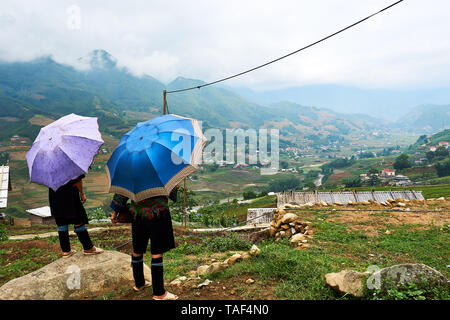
168, 296
147, 284
66, 255
96, 251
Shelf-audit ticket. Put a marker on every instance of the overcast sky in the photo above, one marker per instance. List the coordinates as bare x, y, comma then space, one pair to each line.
407, 46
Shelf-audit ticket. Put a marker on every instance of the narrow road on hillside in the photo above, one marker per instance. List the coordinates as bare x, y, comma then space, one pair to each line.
318, 181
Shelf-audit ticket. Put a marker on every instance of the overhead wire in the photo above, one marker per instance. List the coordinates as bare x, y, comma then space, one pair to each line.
289, 54
266, 64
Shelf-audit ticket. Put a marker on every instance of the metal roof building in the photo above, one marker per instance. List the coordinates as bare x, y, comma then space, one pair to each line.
345, 197
41, 215
43, 212
5, 186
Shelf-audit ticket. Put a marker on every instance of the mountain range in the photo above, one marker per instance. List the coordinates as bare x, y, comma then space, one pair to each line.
389, 105
98, 87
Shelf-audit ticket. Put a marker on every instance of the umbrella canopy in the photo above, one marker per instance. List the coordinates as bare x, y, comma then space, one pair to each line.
63, 150
155, 156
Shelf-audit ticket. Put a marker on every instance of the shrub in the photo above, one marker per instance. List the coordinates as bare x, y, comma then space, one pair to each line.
443, 169
352, 182
412, 291
402, 162
226, 243
3, 236
97, 214
263, 193
250, 194
284, 183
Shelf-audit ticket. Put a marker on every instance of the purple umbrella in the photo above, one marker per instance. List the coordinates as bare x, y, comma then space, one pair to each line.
63, 150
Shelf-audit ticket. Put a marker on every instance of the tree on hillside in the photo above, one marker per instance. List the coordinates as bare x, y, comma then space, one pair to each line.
373, 180
283, 184
177, 207
310, 185
430, 155
443, 168
441, 152
352, 182
4, 157
402, 162
249, 194
366, 154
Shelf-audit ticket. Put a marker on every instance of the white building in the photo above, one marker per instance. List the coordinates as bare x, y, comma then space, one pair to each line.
5, 186
41, 215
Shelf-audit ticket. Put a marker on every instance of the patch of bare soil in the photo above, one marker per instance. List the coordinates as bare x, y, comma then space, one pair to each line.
16, 250
338, 176
234, 288
120, 239
40, 120
17, 156
373, 222
23, 226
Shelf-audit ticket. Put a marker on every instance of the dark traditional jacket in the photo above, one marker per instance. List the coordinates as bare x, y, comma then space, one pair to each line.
65, 202
148, 208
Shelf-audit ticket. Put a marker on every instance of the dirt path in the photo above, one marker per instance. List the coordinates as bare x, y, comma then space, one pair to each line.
55, 234
241, 228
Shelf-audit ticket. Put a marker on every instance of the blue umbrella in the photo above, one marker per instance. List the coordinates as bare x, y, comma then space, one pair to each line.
155, 156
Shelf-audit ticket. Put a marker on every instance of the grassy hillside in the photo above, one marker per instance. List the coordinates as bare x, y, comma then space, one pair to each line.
340, 241
426, 119
106, 90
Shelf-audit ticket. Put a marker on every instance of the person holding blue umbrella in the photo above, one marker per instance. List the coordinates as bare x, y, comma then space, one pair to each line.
146, 167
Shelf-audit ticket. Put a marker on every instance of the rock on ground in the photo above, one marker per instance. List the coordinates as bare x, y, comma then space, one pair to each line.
289, 217
76, 277
234, 258
254, 250
298, 238
202, 270
350, 281
409, 272
346, 281
259, 236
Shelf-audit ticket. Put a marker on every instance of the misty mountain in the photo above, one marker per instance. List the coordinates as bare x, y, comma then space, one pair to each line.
390, 105
101, 88
427, 119
305, 120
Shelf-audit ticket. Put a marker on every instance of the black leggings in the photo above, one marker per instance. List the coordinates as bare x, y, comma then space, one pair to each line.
82, 234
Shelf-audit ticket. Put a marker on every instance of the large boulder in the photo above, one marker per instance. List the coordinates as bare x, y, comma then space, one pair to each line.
352, 282
406, 273
76, 277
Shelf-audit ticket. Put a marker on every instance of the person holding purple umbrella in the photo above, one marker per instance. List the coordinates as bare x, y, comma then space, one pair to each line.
66, 206
59, 158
